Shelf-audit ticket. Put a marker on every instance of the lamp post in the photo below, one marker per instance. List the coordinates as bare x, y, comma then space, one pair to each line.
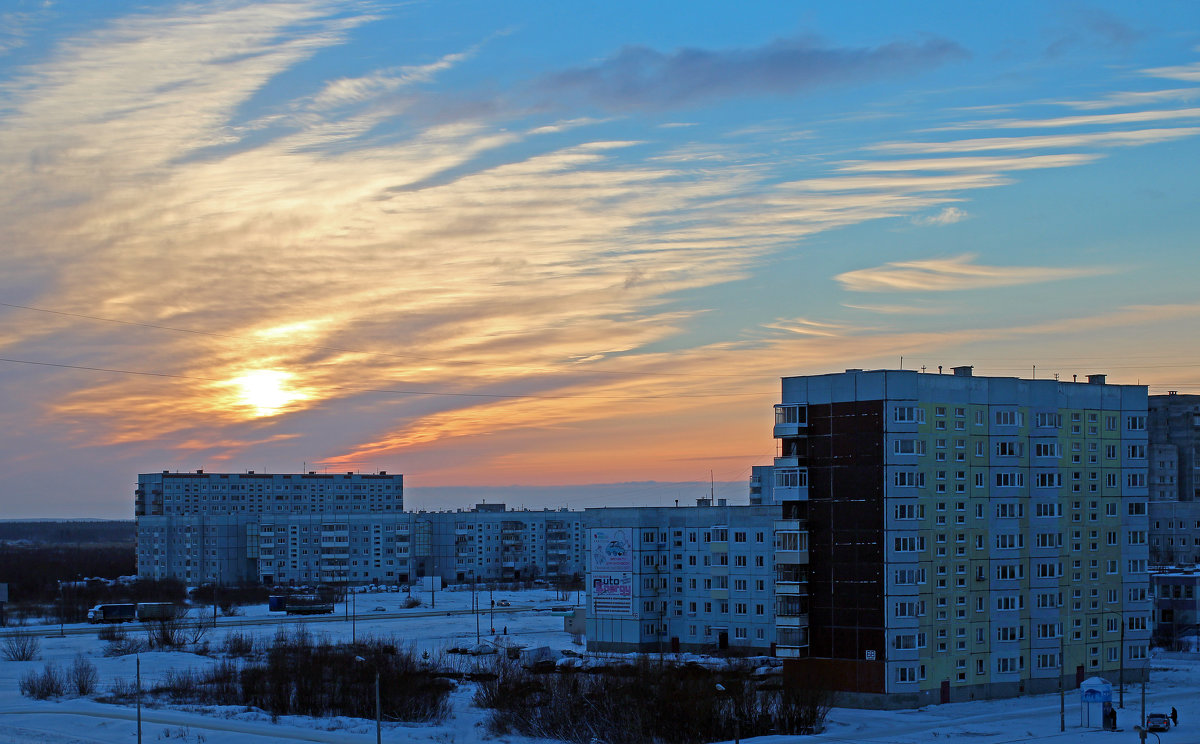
354, 618
737, 731
138, 674
378, 707
1062, 687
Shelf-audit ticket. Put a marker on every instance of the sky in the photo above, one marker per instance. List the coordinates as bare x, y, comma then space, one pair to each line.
527, 245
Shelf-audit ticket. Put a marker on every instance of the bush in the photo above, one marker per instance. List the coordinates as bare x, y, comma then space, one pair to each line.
82, 676
238, 644
642, 702
112, 633
300, 677
410, 603
42, 685
21, 645
124, 647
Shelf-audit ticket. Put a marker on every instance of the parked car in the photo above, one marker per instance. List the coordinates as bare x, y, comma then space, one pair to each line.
380, 608
503, 603
1158, 722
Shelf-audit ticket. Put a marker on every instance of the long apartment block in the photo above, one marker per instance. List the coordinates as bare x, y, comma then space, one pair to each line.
345, 528
961, 537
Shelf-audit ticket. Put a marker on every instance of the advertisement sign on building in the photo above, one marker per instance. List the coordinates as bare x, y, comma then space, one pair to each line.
612, 549
612, 594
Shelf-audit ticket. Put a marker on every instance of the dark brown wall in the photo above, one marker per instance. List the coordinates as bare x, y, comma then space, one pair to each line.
846, 532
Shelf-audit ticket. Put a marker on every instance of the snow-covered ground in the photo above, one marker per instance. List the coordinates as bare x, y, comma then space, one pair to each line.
1174, 681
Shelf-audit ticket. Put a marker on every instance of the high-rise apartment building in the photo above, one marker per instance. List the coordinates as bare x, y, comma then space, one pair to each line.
1174, 428
966, 536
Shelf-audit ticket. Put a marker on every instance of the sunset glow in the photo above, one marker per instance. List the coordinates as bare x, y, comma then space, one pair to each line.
266, 391
489, 243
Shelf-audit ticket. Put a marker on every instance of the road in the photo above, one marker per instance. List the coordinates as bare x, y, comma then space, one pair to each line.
52, 631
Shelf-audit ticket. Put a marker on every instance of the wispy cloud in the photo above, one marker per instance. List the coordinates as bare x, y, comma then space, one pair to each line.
1136, 98
948, 216
1186, 73
953, 274
985, 163
1127, 138
641, 77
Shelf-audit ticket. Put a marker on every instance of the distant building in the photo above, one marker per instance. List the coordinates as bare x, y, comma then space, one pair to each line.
350, 528
692, 578
1174, 429
1176, 609
762, 485
962, 532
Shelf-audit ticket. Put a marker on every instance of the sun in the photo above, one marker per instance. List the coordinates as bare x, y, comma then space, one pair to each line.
266, 391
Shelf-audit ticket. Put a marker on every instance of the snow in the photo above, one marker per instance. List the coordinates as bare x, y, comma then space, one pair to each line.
1174, 681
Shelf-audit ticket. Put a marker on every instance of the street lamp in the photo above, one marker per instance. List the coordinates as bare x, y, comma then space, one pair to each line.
737, 732
378, 708
138, 674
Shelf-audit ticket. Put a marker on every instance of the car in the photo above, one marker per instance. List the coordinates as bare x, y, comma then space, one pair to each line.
380, 608
1158, 722
503, 603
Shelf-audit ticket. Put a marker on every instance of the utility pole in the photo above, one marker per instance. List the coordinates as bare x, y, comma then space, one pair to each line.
354, 618
378, 709
1145, 674
475, 605
1121, 679
1062, 688
139, 698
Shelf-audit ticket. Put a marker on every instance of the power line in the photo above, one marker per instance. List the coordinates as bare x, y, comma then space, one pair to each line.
430, 393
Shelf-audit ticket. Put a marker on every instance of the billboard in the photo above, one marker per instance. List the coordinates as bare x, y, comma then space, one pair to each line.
612, 594
612, 549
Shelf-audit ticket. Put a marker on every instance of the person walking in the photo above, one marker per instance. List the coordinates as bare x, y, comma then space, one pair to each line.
1174, 716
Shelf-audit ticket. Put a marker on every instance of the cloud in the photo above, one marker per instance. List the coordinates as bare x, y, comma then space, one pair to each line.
349, 91
1186, 73
1127, 138
953, 274
1087, 25
1136, 98
1027, 162
1085, 121
639, 77
948, 216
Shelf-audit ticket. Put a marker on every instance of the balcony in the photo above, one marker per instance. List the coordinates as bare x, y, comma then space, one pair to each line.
790, 420
791, 621
791, 557
793, 588
791, 652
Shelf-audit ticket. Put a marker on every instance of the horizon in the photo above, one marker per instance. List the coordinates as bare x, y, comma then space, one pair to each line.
480, 243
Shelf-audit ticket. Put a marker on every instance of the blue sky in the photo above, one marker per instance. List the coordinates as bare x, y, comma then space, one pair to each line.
492, 244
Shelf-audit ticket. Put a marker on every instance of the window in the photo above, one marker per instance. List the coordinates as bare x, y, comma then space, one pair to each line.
909, 446
1046, 449
1009, 418
795, 415
1047, 480
791, 478
1047, 420
1008, 449
908, 415
1015, 479
1135, 423
1137, 480
910, 511
909, 479
910, 544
